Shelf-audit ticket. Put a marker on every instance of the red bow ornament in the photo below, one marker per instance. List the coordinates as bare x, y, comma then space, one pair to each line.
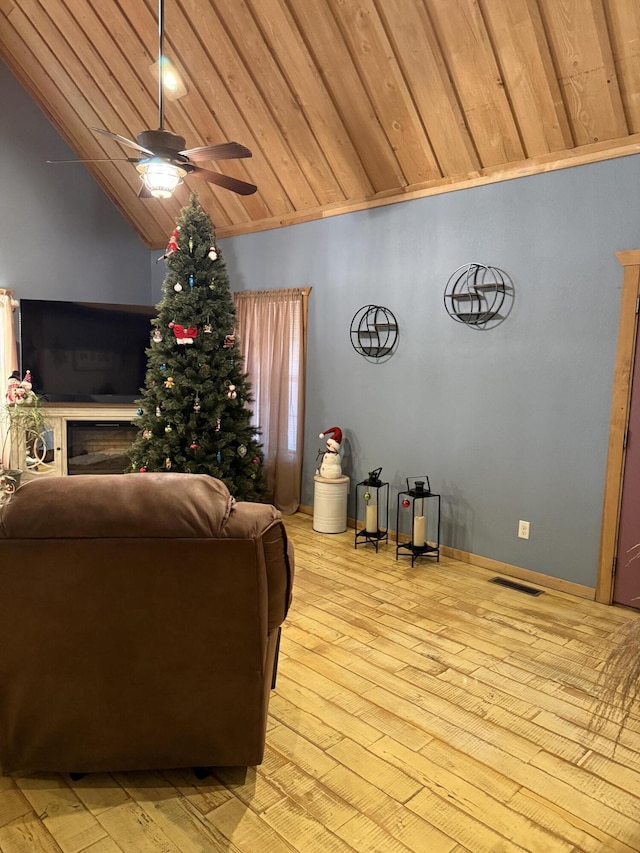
185, 336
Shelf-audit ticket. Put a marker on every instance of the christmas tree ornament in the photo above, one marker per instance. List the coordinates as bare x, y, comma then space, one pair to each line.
172, 245
219, 456
139, 412
229, 342
212, 253
163, 367
406, 504
194, 445
157, 335
167, 463
168, 428
191, 245
196, 405
218, 424
158, 411
146, 433
208, 328
184, 335
169, 383
171, 324
232, 393
212, 284
192, 280
242, 450
143, 470
177, 287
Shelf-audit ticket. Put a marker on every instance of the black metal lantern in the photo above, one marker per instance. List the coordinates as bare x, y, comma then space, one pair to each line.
424, 540
373, 495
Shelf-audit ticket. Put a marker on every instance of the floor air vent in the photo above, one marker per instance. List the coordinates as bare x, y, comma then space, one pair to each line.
528, 590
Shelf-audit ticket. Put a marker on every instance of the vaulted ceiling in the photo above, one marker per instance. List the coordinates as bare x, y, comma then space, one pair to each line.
345, 104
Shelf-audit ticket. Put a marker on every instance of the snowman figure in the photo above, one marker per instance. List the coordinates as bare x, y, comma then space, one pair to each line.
330, 465
13, 387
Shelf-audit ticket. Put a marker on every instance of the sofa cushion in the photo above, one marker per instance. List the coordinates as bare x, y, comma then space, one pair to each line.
158, 505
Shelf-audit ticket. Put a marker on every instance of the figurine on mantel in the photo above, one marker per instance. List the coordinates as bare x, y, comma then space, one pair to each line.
19, 391
330, 465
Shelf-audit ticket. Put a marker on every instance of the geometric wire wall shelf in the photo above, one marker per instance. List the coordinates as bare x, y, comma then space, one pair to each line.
374, 332
478, 295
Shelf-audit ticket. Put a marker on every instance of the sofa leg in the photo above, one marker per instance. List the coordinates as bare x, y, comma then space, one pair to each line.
275, 661
202, 772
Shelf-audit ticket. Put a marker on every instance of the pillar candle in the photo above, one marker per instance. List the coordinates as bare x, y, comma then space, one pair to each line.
418, 531
371, 523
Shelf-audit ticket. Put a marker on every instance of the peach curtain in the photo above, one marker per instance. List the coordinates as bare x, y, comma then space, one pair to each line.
8, 357
272, 327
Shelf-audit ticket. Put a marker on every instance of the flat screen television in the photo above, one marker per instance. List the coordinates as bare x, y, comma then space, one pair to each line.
85, 351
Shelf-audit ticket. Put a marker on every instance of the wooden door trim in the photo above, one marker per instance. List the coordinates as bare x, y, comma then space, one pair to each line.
620, 403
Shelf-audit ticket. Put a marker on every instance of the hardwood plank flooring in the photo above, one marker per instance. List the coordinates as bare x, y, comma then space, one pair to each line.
417, 709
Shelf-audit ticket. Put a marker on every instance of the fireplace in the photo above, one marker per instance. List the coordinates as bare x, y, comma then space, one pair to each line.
99, 447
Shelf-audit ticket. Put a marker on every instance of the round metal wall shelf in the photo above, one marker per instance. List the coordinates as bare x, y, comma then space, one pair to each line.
374, 332
478, 295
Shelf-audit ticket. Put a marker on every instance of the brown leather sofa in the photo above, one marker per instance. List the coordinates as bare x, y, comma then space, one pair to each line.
139, 623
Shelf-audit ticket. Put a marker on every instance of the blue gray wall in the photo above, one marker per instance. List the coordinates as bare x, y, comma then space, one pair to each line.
509, 424
60, 236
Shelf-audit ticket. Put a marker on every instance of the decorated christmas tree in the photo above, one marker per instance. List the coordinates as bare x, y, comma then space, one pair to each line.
193, 415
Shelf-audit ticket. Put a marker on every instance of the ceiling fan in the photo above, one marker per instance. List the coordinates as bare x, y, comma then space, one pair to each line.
165, 161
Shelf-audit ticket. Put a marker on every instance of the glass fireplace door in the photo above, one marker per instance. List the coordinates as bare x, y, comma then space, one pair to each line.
99, 447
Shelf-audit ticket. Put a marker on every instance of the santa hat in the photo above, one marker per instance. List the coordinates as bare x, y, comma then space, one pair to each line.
334, 433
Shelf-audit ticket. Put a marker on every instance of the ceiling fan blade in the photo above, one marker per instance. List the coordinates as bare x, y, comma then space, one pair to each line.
233, 184
123, 140
223, 151
100, 160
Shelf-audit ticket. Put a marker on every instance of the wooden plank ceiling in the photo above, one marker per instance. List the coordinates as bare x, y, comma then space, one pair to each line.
345, 104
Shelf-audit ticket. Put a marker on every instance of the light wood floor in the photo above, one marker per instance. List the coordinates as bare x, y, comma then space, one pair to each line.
418, 709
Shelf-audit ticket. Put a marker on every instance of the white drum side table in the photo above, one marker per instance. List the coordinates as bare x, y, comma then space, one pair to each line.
330, 504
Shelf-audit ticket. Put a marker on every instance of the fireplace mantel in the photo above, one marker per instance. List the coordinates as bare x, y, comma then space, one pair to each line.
58, 415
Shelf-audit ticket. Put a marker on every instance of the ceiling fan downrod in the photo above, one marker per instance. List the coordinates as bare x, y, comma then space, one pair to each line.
160, 57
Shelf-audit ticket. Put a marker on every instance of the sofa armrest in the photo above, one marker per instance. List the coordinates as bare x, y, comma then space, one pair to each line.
263, 521
278, 552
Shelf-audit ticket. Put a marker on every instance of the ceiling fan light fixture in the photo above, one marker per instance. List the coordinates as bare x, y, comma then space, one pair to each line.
160, 176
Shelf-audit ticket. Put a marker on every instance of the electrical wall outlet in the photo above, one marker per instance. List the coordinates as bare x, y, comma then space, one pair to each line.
523, 529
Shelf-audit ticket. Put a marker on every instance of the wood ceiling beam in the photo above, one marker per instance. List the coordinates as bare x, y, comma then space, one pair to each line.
521, 47
463, 34
425, 71
623, 20
298, 68
333, 60
580, 45
371, 51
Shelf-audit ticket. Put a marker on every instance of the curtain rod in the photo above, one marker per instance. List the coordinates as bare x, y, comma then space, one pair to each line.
303, 291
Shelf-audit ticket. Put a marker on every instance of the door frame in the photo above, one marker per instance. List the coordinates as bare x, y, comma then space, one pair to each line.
620, 405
